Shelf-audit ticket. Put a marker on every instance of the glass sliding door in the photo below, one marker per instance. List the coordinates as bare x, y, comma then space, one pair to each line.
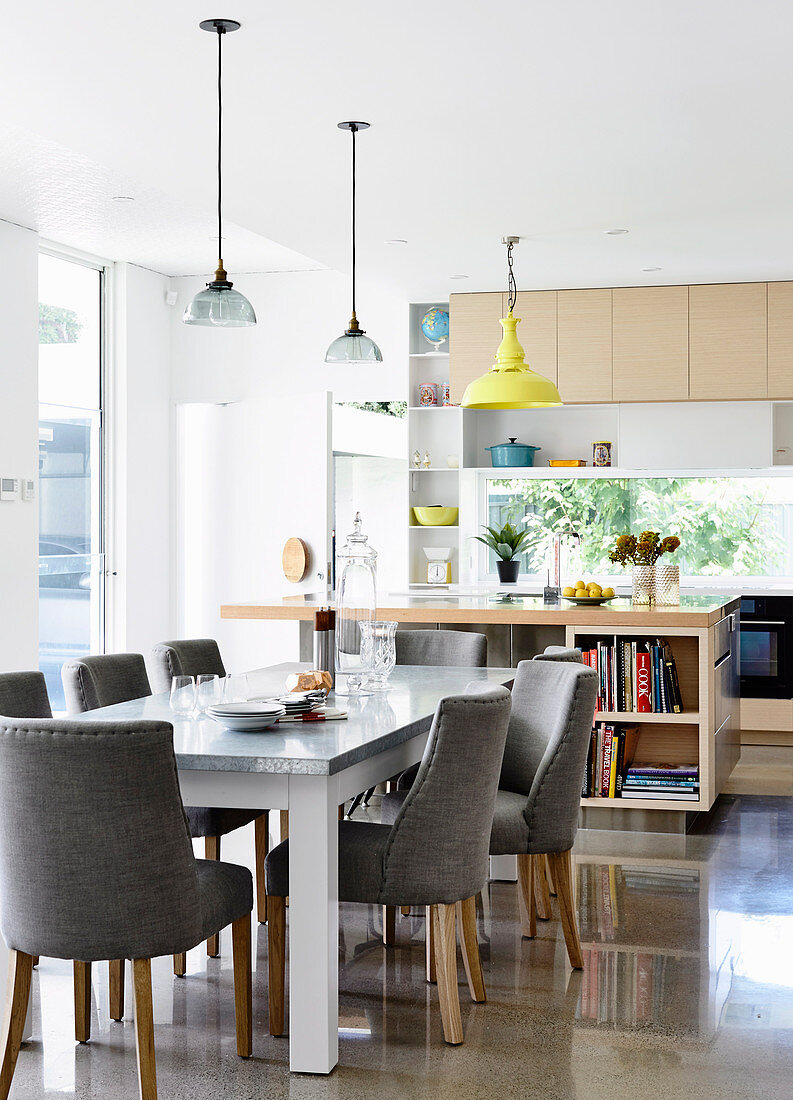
71, 527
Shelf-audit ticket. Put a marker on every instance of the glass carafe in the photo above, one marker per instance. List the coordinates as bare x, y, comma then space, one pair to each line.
356, 603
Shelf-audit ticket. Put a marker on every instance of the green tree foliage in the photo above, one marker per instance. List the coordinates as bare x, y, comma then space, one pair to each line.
58, 325
726, 525
387, 408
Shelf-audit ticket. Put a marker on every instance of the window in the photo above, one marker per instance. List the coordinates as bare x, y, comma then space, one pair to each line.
728, 526
71, 563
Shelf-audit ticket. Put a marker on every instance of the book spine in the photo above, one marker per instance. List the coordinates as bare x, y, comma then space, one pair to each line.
677, 701
613, 767
643, 683
626, 671
605, 771
620, 769
634, 688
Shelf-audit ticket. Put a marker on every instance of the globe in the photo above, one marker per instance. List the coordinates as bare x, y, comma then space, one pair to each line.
435, 326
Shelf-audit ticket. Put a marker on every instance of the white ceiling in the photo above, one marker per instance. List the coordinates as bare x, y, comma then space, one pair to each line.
553, 121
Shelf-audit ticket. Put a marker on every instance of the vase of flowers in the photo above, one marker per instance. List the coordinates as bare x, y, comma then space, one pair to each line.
642, 553
507, 544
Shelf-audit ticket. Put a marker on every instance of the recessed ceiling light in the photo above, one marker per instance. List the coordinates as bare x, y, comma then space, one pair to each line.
652, 269
123, 198
396, 240
458, 276
616, 232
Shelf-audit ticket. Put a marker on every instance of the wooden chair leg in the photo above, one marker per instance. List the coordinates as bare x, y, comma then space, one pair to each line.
82, 1001
180, 964
542, 895
429, 944
276, 961
144, 1029
528, 912
405, 910
284, 824
262, 841
243, 1003
212, 851
35, 959
116, 984
389, 925
548, 879
562, 874
20, 968
443, 919
469, 942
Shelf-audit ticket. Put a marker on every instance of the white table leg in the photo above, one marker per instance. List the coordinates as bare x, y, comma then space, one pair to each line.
313, 924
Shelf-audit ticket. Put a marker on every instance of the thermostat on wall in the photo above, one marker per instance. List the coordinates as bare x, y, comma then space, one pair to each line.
28, 488
9, 488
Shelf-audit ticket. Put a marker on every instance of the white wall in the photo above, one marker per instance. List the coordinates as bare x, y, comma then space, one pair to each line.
141, 432
265, 459
18, 446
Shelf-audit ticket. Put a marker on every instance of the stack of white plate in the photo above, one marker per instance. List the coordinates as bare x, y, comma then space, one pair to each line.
246, 717
301, 702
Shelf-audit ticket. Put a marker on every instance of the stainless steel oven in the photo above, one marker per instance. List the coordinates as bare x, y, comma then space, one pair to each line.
767, 647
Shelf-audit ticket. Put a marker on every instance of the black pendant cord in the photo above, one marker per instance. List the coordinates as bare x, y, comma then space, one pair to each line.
512, 286
220, 149
353, 131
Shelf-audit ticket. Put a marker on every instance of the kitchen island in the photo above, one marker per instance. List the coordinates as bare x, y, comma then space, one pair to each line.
702, 633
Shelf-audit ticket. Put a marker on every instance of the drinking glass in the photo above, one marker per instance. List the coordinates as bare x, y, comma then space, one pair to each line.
183, 695
379, 645
210, 691
235, 688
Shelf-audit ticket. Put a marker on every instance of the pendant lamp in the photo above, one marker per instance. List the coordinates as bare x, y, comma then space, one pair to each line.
219, 305
510, 383
353, 346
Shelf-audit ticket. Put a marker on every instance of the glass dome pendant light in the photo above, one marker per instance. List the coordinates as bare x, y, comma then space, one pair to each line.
510, 383
353, 346
218, 305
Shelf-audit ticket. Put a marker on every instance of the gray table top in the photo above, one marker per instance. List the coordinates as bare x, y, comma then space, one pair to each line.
376, 722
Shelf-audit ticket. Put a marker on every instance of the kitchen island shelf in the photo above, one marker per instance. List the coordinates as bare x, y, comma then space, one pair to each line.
686, 717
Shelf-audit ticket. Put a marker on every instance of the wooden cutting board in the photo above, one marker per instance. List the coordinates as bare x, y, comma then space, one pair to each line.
295, 559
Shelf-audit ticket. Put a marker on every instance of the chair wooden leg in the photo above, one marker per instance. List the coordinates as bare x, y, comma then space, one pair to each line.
262, 840
528, 912
562, 874
389, 925
284, 824
443, 919
469, 942
404, 910
144, 1029
243, 1003
20, 968
542, 895
212, 851
429, 944
276, 961
116, 984
180, 964
35, 959
548, 879
82, 1001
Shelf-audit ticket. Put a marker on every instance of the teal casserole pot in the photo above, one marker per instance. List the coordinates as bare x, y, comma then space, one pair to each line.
512, 453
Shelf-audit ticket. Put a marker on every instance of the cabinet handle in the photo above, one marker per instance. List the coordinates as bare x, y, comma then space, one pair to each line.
764, 622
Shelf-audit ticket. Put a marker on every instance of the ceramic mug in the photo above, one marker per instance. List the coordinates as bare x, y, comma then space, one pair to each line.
445, 394
428, 393
601, 453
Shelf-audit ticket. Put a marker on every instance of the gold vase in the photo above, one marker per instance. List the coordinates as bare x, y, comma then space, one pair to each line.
643, 585
667, 585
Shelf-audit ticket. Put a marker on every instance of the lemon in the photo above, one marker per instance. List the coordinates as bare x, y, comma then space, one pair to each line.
580, 584
609, 592
568, 591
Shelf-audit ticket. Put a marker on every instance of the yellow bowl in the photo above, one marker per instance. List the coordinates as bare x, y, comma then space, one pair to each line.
436, 517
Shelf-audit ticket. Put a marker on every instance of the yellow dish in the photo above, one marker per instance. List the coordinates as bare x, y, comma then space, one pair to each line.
436, 517
566, 462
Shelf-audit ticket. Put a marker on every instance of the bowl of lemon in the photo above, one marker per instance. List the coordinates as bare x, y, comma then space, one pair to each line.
590, 593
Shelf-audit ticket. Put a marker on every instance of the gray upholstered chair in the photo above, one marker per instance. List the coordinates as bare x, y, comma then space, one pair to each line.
186, 657
434, 854
560, 653
76, 882
93, 682
24, 695
537, 804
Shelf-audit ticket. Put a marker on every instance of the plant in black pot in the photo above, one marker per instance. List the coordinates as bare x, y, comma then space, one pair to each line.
507, 545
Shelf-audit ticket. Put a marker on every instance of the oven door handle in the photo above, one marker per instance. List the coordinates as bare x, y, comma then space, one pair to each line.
762, 622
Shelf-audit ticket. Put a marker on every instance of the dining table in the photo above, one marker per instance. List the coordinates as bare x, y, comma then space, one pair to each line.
308, 768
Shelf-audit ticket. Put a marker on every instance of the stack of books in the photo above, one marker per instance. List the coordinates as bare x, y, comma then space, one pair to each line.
675, 781
611, 750
635, 676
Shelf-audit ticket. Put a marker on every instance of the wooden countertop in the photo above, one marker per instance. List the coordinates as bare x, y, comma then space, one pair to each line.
693, 611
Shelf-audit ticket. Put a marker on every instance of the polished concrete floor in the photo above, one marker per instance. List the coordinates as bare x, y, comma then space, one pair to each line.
687, 992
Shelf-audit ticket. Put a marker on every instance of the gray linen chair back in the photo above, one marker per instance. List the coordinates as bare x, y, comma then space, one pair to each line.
93, 682
440, 841
24, 695
189, 657
95, 858
441, 647
560, 653
553, 707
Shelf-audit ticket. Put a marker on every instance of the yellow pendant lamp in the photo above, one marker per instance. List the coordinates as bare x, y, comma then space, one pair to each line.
510, 383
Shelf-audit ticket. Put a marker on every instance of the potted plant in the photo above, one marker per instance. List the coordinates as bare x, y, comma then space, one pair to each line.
507, 545
642, 552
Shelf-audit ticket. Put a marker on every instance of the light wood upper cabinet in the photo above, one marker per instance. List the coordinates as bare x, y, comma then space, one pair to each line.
584, 349
780, 340
537, 330
650, 329
728, 337
474, 335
